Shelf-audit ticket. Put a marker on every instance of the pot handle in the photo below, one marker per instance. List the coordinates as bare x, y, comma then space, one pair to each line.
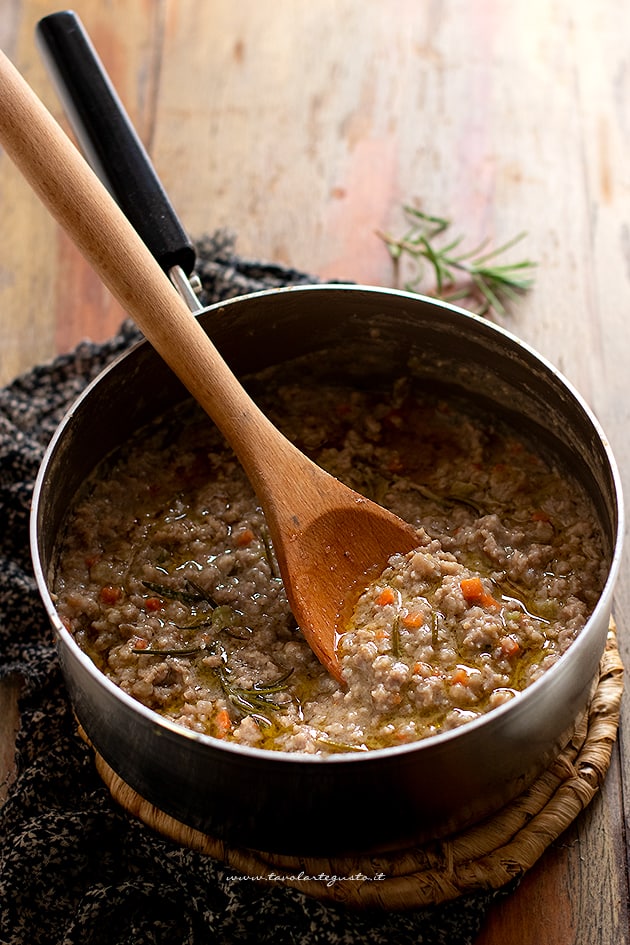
109, 140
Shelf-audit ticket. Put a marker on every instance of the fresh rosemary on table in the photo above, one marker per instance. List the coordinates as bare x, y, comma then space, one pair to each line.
459, 275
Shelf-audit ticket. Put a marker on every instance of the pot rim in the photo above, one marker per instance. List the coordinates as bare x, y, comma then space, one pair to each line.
489, 719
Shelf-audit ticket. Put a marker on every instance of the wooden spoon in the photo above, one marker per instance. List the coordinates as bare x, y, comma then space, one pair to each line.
328, 539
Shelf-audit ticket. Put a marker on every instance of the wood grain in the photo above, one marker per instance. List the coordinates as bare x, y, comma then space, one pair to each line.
303, 128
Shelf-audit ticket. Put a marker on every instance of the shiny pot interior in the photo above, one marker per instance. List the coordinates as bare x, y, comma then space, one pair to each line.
312, 805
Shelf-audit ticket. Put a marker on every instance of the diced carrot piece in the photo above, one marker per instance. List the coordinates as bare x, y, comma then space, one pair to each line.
382, 633
472, 588
475, 593
413, 619
245, 538
487, 600
222, 723
153, 603
510, 646
385, 597
459, 677
425, 670
110, 594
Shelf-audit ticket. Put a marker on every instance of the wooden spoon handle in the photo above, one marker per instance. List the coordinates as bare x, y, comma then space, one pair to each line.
81, 204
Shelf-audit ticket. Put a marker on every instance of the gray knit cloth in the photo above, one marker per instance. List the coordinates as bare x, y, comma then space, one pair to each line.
75, 869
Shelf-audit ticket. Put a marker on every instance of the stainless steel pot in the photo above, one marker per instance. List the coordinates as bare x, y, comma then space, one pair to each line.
313, 805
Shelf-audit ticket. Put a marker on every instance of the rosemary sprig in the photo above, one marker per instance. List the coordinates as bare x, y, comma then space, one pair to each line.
170, 593
255, 700
473, 274
220, 616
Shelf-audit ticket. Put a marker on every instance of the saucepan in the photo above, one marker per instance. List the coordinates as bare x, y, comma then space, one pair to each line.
279, 801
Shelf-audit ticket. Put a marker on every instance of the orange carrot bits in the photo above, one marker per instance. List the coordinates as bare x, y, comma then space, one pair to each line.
110, 594
413, 619
386, 596
509, 646
475, 593
222, 723
460, 676
153, 603
245, 538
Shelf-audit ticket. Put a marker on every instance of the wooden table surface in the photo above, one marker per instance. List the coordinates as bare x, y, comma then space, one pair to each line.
304, 127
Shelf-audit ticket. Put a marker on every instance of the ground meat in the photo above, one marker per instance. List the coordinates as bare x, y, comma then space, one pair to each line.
167, 579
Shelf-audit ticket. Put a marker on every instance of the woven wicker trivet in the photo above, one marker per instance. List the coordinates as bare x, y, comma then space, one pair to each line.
485, 856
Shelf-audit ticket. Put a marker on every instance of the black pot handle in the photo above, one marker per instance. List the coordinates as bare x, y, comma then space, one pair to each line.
109, 140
